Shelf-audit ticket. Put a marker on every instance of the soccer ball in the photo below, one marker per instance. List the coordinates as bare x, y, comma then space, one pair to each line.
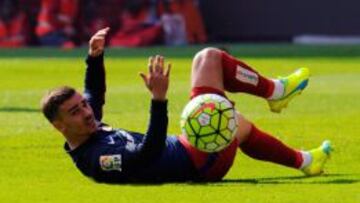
209, 122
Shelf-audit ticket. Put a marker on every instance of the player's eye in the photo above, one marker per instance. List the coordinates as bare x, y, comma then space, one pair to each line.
85, 104
74, 112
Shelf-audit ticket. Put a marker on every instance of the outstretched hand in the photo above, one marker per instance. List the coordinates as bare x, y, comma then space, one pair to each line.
157, 80
97, 42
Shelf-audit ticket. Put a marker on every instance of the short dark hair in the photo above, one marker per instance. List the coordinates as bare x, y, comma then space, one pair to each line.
51, 101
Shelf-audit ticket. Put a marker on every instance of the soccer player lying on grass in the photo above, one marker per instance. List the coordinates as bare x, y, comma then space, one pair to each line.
118, 155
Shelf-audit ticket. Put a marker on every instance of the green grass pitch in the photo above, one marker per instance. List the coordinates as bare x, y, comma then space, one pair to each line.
35, 168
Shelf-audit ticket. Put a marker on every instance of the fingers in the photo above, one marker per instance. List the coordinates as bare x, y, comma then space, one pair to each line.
150, 65
102, 32
145, 79
96, 40
143, 76
100, 35
159, 64
167, 72
156, 65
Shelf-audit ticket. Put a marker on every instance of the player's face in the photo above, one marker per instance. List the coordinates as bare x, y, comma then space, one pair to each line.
76, 117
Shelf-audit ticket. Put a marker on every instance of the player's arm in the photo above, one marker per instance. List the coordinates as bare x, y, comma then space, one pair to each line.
127, 159
157, 82
95, 84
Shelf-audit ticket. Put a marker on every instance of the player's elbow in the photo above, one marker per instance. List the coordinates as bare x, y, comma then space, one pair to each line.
149, 154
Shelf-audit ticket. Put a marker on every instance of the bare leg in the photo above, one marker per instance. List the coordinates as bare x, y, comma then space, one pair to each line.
207, 69
244, 129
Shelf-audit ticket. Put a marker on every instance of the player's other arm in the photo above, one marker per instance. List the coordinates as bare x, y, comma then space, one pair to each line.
95, 85
157, 81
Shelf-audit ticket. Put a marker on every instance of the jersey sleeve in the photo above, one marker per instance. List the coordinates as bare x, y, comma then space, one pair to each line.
154, 140
95, 85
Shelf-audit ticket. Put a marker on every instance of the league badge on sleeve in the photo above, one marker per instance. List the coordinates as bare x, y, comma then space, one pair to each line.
110, 162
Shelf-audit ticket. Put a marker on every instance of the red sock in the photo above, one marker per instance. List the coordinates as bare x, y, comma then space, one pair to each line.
239, 77
264, 147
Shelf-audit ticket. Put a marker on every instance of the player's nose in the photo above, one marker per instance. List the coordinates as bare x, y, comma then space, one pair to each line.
88, 112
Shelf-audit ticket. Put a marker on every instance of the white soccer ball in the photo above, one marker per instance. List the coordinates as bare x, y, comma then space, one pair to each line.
209, 122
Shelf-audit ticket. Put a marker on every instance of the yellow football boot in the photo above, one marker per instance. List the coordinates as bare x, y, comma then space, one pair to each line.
319, 157
294, 84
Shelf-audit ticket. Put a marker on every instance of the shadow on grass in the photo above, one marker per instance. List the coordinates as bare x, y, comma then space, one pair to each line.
324, 179
283, 180
9, 109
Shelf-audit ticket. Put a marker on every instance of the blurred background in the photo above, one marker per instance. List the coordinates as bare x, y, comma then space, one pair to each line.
136, 23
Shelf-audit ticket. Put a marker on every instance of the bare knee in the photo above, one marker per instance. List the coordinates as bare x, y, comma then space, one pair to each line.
206, 54
207, 69
244, 128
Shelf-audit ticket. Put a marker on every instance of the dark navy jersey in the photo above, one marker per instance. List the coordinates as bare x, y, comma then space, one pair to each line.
110, 156
117, 155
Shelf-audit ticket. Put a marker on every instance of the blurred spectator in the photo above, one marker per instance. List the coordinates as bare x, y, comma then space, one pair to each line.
55, 26
139, 27
173, 26
193, 21
97, 14
66, 23
13, 24
31, 9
